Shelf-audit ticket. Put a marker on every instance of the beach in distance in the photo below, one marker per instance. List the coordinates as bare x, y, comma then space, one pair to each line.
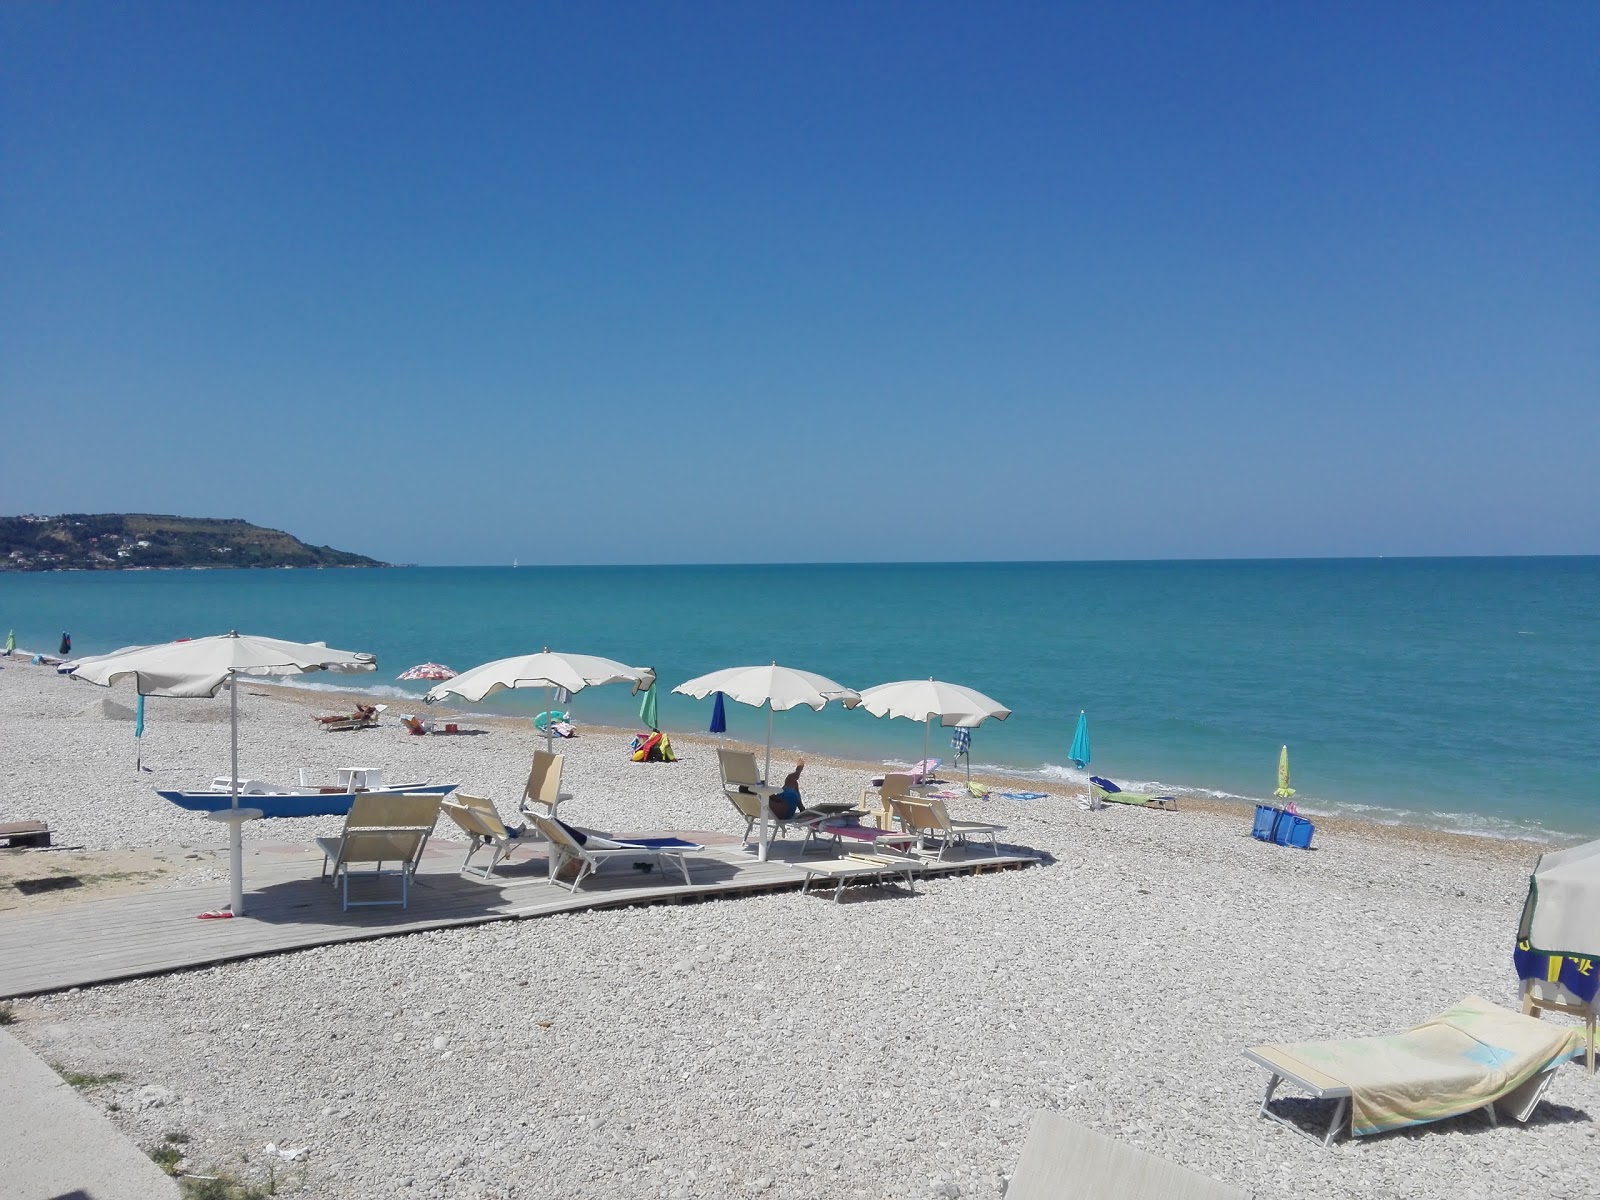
1446, 693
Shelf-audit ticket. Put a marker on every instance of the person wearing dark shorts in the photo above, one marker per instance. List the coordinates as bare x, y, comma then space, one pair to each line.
787, 803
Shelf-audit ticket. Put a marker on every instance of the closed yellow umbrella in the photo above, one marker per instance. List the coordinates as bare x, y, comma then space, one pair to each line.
1284, 790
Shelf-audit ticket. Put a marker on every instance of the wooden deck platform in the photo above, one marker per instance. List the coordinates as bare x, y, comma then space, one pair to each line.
288, 906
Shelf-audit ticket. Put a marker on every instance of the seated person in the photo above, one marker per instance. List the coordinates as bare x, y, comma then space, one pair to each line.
787, 803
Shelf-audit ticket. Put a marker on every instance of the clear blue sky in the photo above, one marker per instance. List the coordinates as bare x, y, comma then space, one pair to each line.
457, 283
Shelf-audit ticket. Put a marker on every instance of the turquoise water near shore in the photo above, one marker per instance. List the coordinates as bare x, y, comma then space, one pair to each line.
1458, 693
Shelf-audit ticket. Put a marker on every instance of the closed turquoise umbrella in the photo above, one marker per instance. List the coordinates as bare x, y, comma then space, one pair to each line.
138, 735
1079, 754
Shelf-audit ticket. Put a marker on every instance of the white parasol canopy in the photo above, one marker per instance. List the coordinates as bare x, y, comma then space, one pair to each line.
776, 689
548, 670
201, 667
924, 699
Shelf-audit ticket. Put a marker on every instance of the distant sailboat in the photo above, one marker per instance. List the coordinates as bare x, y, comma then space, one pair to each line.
513, 564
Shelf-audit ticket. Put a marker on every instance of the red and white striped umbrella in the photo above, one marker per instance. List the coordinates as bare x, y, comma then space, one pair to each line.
428, 671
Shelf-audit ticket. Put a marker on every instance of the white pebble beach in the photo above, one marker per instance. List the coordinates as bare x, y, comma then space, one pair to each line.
891, 1045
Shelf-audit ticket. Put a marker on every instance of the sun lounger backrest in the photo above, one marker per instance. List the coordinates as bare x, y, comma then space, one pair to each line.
916, 816
738, 767
556, 834
388, 828
487, 813
896, 786
544, 780
475, 815
393, 812
469, 819
748, 803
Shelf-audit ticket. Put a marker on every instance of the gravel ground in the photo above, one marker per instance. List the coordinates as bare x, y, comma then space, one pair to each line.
886, 1046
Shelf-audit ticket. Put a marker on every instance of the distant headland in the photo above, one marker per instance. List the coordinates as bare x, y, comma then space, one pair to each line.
142, 541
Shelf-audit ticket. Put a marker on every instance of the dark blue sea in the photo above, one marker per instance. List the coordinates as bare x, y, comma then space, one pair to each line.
1459, 693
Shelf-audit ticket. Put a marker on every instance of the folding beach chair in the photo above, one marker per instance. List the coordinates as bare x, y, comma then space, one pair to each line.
882, 796
480, 821
1062, 1160
1103, 791
380, 829
743, 786
590, 851
929, 819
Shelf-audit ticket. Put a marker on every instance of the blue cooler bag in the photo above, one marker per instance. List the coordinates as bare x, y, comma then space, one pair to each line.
1266, 822
1294, 831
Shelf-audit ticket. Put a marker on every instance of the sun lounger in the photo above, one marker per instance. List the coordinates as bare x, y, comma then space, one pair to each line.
870, 836
883, 794
876, 867
380, 829
929, 819
1474, 1056
1103, 791
1062, 1160
743, 786
589, 851
480, 821
920, 772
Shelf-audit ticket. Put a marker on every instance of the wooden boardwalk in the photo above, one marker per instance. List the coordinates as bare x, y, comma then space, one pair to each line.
288, 906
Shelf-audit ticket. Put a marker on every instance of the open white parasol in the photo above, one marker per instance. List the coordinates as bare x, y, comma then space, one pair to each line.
201, 667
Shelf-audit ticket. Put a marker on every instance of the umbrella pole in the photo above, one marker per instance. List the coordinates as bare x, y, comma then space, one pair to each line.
763, 841
235, 834
549, 734
927, 722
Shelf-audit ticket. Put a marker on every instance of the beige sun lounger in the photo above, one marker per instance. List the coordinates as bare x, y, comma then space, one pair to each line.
1062, 1160
929, 819
597, 849
894, 787
1475, 1055
877, 867
742, 784
380, 829
478, 818
542, 793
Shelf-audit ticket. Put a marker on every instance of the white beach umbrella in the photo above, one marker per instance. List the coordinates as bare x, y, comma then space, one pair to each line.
776, 689
924, 699
548, 670
200, 668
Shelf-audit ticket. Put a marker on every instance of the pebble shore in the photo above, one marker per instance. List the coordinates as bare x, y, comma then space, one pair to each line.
779, 1045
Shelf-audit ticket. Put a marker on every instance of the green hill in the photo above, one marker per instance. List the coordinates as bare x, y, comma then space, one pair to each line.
130, 541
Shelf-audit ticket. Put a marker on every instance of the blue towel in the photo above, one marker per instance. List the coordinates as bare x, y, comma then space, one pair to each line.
666, 843
1022, 795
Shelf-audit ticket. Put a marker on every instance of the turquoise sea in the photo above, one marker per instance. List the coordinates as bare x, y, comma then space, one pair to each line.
1462, 693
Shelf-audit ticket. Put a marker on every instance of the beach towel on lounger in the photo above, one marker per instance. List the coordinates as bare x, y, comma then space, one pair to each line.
1466, 1057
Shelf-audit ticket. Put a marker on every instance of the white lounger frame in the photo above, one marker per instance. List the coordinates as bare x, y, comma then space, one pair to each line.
879, 868
1518, 1104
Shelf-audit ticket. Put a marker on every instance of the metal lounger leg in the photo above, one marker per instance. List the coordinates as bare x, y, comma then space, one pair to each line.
1272, 1086
1339, 1112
